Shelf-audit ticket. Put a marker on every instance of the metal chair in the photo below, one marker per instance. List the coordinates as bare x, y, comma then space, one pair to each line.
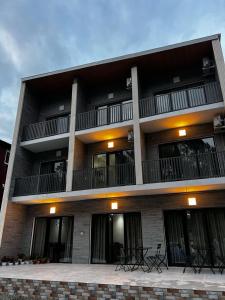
154, 261
221, 261
124, 260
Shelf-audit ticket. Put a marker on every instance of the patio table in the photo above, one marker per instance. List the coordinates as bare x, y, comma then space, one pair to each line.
202, 256
140, 256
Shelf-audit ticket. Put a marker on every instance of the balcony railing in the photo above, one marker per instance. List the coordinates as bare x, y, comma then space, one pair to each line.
121, 174
46, 128
180, 99
205, 165
105, 116
40, 184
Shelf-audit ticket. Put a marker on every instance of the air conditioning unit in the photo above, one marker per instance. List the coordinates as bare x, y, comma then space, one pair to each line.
219, 123
128, 83
208, 66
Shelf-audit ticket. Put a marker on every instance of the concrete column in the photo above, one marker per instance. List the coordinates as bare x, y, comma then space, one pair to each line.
137, 130
218, 56
6, 194
70, 166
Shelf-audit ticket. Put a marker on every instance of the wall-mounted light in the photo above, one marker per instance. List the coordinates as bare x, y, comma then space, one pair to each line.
110, 144
192, 201
52, 210
114, 205
182, 132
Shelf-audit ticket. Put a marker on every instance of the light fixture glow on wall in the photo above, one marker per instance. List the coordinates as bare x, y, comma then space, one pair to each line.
52, 210
110, 144
114, 205
182, 132
192, 201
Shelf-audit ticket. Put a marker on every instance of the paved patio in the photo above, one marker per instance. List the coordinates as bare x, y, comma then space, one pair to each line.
106, 274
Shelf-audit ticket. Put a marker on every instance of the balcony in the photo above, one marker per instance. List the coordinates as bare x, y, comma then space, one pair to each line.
105, 116
200, 166
47, 128
40, 184
111, 176
181, 99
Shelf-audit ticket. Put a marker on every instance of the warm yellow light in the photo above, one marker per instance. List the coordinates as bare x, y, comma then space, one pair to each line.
182, 132
110, 144
52, 210
192, 201
114, 205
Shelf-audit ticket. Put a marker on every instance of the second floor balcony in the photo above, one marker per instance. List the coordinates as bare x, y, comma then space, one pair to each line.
40, 184
180, 99
110, 176
46, 128
105, 115
199, 166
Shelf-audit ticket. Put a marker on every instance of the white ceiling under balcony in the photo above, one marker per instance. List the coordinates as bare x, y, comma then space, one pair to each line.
47, 143
103, 133
187, 117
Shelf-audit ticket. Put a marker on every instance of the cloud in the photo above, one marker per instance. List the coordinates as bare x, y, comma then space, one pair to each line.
41, 36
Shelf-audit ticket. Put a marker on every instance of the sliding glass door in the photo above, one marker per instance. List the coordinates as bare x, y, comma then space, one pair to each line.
111, 232
187, 230
52, 238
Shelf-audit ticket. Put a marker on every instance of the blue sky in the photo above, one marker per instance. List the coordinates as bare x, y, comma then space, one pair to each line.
45, 35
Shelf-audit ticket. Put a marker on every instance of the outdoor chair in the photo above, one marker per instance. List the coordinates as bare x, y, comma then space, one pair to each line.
154, 261
221, 261
123, 263
189, 260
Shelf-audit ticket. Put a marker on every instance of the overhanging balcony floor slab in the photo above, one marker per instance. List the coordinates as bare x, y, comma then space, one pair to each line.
108, 132
181, 118
47, 143
197, 185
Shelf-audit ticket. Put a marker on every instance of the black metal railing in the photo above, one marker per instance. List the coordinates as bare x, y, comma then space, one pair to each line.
40, 184
46, 128
105, 116
180, 99
205, 165
121, 174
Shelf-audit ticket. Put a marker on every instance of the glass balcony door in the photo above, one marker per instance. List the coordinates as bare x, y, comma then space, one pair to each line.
52, 239
188, 159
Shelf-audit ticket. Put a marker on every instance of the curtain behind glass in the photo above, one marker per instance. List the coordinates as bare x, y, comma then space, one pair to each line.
216, 225
99, 235
39, 237
132, 233
175, 237
67, 239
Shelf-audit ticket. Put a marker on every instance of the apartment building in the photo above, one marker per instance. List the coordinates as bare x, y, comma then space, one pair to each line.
4, 160
125, 152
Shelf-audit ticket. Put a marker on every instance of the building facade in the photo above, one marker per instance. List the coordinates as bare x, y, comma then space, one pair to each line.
4, 160
126, 152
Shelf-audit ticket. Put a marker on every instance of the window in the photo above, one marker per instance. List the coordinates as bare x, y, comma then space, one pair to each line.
6, 161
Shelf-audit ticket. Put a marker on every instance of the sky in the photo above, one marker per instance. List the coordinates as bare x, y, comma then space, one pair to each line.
38, 36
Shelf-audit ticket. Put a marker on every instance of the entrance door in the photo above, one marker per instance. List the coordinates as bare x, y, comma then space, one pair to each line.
111, 232
187, 230
53, 238
113, 168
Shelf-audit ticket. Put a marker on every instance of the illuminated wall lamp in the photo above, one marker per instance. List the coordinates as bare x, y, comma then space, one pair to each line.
52, 210
114, 205
182, 132
110, 144
192, 201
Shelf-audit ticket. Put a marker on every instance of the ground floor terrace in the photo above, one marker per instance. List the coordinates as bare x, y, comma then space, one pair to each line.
85, 281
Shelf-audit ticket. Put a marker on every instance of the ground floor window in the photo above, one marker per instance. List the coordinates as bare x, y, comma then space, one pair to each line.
111, 232
52, 238
187, 230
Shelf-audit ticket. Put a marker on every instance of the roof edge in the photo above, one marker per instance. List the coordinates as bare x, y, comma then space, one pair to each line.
124, 57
